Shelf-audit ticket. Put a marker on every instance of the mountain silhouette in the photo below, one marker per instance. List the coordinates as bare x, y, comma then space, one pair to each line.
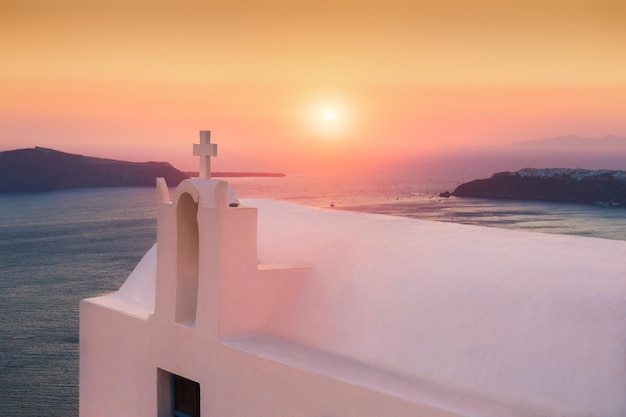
42, 169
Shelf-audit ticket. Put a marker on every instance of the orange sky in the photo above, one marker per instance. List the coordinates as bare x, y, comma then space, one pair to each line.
137, 81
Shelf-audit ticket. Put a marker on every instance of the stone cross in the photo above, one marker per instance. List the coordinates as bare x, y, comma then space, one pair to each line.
205, 150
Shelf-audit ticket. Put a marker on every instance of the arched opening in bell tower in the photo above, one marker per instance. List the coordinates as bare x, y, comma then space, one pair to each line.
187, 260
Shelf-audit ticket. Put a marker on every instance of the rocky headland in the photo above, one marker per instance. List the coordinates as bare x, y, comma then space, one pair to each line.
600, 187
42, 169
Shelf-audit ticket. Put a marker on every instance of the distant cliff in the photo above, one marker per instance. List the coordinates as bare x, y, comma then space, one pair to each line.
602, 187
41, 169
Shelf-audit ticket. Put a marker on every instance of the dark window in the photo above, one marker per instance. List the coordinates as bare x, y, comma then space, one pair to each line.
185, 397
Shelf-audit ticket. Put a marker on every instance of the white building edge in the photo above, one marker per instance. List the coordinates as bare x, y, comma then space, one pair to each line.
270, 309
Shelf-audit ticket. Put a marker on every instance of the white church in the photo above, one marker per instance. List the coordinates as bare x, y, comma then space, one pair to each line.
263, 308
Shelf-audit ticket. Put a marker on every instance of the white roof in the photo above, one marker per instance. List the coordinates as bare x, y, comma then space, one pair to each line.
518, 318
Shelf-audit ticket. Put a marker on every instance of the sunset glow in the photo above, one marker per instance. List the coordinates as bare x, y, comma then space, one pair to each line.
309, 86
328, 114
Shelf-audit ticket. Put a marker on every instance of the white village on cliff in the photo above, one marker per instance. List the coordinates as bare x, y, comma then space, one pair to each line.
263, 308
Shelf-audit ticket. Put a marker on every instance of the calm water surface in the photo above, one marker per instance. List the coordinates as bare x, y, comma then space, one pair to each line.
60, 247
56, 249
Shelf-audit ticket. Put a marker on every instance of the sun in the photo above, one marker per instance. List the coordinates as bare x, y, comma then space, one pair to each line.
327, 117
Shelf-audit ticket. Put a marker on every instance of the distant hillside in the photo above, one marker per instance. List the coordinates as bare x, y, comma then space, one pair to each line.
600, 187
41, 169
575, 142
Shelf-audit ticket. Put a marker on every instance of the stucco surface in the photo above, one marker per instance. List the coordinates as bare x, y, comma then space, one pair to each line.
360, 314
521, 318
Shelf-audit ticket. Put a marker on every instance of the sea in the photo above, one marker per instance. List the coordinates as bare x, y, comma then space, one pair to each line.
57, 248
